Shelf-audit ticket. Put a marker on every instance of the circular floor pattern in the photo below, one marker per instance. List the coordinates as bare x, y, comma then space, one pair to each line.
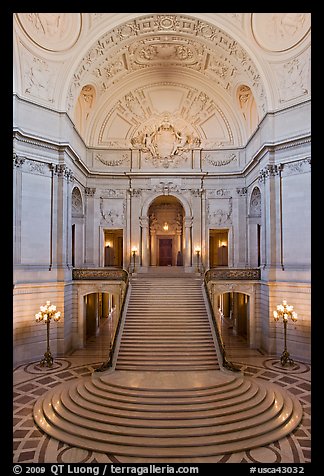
32, 445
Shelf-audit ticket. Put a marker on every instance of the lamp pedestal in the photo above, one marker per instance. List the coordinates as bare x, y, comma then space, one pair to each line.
48, 358
285, 356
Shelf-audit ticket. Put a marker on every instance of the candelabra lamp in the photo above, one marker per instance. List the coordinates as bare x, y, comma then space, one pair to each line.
46, 314
285, 312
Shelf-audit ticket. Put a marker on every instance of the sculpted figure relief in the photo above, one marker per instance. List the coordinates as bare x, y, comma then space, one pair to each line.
164, 140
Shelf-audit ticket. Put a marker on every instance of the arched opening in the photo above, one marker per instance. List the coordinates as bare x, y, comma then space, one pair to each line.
166, 216
234, 309
100, 318
77, 228
254, 218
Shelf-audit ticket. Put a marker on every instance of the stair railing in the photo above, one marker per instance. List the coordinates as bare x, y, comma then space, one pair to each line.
225, 362
114, 330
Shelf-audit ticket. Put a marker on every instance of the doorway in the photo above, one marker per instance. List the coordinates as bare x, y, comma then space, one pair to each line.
113, 252
235, 308
218, 248
166, 217
165, 251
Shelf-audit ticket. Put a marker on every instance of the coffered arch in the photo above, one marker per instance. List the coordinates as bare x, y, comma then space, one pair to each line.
57, 55
149, 96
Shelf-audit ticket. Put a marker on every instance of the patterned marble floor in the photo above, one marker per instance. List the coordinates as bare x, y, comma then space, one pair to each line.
30, 381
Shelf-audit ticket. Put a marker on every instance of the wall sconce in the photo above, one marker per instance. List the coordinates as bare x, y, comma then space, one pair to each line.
165, 226
109, 244
284, 312
45, 314
222, 244
134, 251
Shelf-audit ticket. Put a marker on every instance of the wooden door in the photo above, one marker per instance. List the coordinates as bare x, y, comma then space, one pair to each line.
165, 252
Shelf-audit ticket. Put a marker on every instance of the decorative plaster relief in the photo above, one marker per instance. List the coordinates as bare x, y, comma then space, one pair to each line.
38, 78
209, 158
113, 216
221, 192
164, 142
113, 159
300, 167
293, 78
153, 42
112, 193
280, 31
219, 211
51, 31
77, 209
255, 203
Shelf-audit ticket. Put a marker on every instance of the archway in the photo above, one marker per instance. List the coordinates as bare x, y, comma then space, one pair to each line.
98, 307
234, 308
166, 238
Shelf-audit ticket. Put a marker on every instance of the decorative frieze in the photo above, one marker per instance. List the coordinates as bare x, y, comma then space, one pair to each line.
298, 167
112, 193
241, 191
218, 193
218, 274
135, 192
99, 274
166, 188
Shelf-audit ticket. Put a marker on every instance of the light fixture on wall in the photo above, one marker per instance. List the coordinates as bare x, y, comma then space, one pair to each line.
284, 312
222, 244
165, 226
45, 314
134, 251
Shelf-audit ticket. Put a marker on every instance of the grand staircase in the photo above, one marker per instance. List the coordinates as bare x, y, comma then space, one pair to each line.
167, 326
166, 398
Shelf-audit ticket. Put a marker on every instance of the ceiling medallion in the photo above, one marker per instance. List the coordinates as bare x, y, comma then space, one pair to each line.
51, 31
165, 140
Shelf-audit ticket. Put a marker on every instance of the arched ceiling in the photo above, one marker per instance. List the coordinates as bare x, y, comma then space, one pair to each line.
212, 75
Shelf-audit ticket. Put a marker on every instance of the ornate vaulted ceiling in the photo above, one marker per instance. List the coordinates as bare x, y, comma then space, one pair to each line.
212, 77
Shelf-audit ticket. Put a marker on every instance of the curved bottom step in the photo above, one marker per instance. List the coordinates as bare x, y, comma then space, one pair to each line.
167, 416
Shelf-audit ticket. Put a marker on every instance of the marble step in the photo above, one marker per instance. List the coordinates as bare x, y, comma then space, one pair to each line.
134, 414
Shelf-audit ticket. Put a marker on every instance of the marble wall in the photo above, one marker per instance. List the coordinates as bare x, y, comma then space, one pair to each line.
266, 184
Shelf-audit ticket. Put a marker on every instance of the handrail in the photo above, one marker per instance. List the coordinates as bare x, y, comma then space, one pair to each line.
226, 363
112, 343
